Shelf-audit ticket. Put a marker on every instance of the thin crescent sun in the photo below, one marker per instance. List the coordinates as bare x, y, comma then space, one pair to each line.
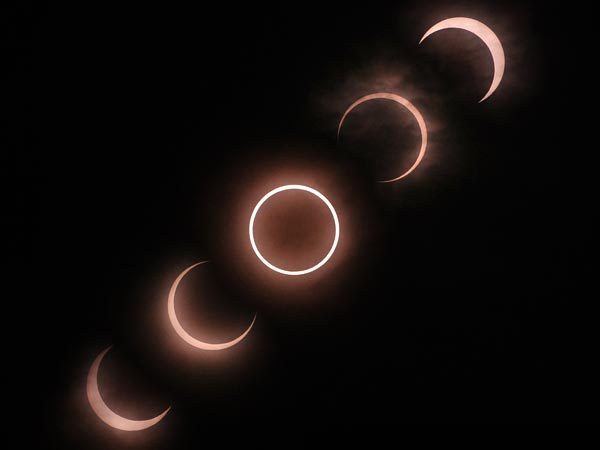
484, 33
408, 105
104, 412
184, 334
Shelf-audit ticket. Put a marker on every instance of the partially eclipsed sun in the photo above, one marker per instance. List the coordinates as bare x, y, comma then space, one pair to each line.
484, 33
183, 334
104, 412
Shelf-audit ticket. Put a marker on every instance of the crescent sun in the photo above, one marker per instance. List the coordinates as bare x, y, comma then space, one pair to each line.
408, 105
184, 334
104, 412
484, 33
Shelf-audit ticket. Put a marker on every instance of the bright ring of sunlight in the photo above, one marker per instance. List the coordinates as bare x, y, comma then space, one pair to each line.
300, 188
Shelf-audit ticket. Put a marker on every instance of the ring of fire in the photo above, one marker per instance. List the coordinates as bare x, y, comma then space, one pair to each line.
300, 188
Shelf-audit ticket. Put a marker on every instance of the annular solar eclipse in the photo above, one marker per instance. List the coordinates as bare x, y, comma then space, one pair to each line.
96, 401
270, 194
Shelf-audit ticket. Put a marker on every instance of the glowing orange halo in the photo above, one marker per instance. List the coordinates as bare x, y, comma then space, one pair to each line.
298, 187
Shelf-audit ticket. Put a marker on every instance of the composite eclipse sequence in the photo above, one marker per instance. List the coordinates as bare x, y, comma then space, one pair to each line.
292, 272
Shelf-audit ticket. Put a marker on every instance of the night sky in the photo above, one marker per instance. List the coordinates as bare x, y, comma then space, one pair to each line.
146, 134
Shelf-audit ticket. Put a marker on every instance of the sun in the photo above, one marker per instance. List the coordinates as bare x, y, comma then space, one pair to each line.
316, 193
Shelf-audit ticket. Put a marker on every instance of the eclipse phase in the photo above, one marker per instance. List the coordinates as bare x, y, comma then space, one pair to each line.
484, 33
184, 334
104, 412
413, 110
300, 188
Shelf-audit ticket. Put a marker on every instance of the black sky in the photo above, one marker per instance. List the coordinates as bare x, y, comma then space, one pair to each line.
467, 295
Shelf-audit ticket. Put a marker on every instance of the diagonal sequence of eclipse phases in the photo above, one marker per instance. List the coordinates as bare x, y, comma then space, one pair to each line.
101, 409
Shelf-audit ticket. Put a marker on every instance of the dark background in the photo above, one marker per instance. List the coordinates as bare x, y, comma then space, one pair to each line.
466, 295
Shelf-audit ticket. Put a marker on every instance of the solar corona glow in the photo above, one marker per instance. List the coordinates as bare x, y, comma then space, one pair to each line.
300, 188
484, 33
408, 105
104, 412
184, 334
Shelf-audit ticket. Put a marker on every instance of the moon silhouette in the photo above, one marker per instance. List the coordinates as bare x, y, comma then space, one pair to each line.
484, 33
408, 105
184, 334
104, 412
298, 187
